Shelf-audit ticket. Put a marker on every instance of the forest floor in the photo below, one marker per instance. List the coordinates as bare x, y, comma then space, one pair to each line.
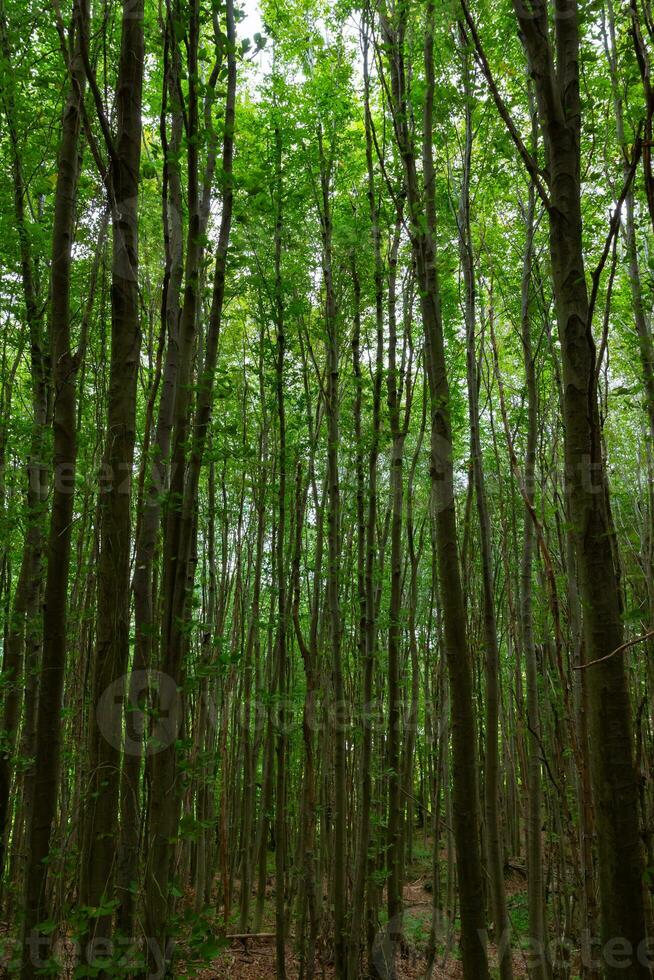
254, 959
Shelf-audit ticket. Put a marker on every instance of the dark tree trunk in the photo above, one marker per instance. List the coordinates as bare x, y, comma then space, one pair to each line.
610, 722
112, 627
49, 731
422, 219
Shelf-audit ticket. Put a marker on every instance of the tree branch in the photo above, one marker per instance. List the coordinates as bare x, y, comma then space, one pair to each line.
620, 649
95, 91
528, 160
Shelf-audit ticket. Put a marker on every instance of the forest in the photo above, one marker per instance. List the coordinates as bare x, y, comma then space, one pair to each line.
327, 489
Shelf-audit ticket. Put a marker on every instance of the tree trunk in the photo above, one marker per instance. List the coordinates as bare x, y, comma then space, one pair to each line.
610, 724
395, 832
539, 962
422, 218
367, 588
64, 368
156, 476
338, 720
181, 533
112, 627
494, 846
282, 666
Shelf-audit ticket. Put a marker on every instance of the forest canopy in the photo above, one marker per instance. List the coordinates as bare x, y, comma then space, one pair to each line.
327, 489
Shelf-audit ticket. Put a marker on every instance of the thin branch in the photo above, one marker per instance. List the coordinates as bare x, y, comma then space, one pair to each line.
95, 91
614, 225
620, 649
528, 160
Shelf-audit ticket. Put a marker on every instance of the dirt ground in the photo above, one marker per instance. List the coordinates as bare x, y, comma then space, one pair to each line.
254, 959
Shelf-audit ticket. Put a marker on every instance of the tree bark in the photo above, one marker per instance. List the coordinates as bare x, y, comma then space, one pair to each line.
112, 626
422, 222
64, 369
367, 610
494, 845
338, 720
181, 532
610, 722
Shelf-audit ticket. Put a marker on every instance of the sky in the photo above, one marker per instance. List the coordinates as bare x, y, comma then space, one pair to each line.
253, 21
